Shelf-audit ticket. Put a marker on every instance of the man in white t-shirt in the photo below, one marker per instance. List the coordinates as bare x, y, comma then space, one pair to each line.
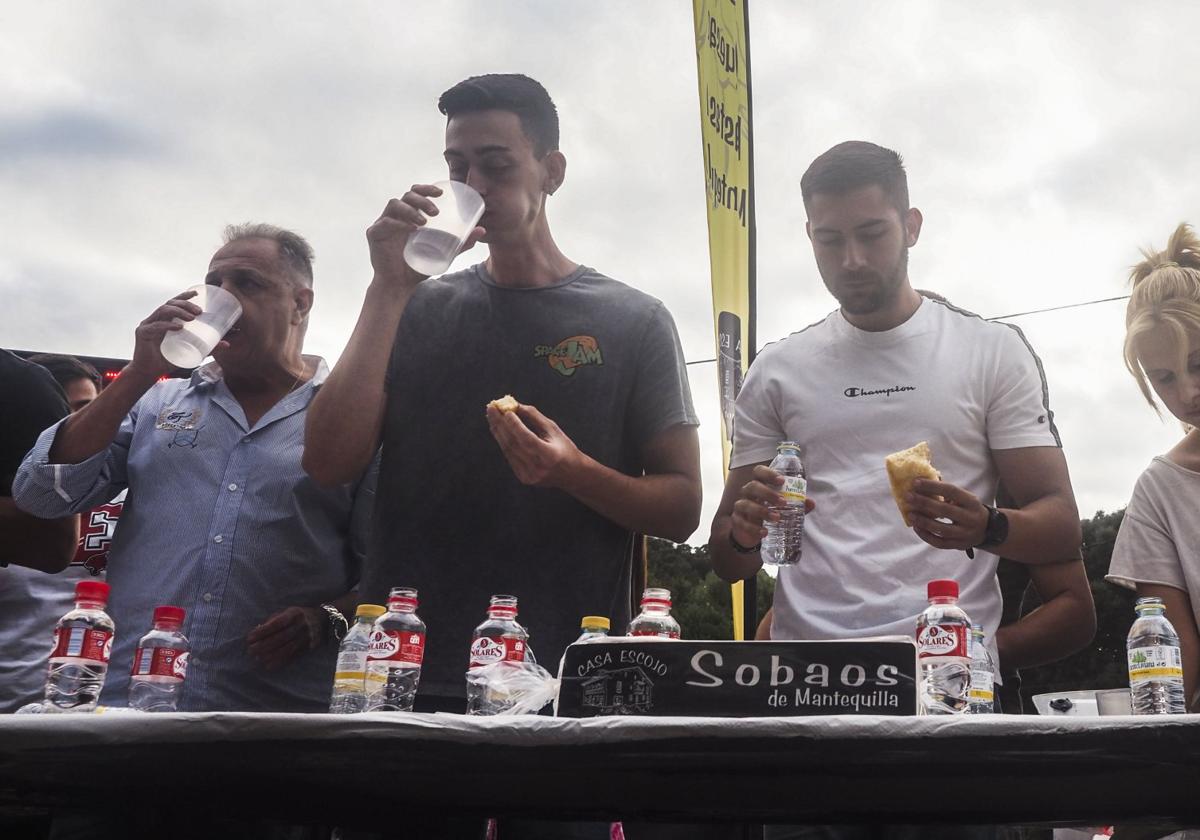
886, 370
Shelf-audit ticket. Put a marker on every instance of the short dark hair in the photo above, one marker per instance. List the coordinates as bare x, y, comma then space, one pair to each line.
66, 369
855, 164
297, 254
512, 92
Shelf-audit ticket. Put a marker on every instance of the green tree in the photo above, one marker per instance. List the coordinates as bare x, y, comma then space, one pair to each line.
700, 600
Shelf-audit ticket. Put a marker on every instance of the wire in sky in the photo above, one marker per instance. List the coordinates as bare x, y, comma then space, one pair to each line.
999, 317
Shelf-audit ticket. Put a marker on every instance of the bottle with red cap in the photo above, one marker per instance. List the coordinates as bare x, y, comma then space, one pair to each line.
655, 619
395, 654
943, 631
498, 639
83, 640
160, 663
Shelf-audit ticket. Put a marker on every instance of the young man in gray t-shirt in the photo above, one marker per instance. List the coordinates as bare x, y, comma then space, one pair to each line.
544, 502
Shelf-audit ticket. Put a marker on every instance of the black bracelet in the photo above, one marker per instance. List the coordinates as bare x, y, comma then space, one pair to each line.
741, 549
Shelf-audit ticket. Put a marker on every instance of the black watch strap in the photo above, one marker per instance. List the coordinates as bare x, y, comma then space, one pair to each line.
996, 531
743, 549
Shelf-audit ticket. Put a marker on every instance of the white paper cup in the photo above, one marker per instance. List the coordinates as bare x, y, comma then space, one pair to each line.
431, 248
188, 347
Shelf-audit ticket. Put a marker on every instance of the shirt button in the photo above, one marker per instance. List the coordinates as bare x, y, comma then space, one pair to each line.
232, 487
218, 538
207, 597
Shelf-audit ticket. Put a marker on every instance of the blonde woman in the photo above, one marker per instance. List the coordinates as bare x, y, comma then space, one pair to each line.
1157, 551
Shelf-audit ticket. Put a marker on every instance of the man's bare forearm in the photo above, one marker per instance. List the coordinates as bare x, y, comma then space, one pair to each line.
1042, 532
343, 425
659, 505
1064, 624
94, 427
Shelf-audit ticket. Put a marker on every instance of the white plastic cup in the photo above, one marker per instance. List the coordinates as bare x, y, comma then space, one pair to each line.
188, 347
1114, 701
431, 248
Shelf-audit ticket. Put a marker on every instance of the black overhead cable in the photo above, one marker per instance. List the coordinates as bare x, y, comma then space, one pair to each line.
999, 317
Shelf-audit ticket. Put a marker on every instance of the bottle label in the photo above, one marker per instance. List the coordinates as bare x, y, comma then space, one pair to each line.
82, 643
1155, 663
351, 665
160, 662
794, 490
489, 649
406, 647
942, 640
982, 687
668, 635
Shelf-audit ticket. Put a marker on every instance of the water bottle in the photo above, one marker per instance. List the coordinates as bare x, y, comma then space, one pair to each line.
350, 674
942, 658
593, 627
781, 545
83, 642
655, 618
395, 654
160, 664
981, 696
498, 639
1155, 666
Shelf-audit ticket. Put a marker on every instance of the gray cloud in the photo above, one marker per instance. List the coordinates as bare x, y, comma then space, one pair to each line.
64, 132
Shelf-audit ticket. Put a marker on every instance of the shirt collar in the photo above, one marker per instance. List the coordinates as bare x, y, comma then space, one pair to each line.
211, 373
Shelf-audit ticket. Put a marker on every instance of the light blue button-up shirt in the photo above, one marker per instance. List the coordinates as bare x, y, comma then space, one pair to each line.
222, 520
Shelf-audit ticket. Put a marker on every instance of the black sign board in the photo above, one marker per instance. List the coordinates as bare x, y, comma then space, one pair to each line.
739, 679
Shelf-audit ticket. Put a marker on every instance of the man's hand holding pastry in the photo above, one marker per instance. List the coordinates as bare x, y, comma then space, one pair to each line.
943, 515
946, 516
538, 451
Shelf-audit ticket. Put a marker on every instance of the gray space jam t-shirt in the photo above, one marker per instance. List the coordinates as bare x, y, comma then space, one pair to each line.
597, 357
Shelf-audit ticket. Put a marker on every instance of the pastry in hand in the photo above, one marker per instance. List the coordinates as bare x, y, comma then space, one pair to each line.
507, 403
905, 467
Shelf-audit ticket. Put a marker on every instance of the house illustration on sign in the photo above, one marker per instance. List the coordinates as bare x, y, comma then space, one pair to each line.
625, 691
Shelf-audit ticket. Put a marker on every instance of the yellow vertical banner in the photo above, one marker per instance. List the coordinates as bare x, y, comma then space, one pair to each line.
723, 65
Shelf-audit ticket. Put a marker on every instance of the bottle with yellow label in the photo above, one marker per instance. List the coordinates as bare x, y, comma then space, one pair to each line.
981, 694
1155, 666
349, 678
781, 546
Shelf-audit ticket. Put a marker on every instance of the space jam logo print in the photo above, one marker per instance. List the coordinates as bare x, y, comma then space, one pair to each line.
97, 528
570, 354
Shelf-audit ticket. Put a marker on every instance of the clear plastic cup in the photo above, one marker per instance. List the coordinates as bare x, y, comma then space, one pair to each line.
188, 347
431, 248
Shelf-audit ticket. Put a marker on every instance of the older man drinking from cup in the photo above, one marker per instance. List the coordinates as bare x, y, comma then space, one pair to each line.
220, 518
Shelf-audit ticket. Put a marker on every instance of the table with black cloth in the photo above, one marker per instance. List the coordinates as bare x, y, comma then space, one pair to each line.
828, 769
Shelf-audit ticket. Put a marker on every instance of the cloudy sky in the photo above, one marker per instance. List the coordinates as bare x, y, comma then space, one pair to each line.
1044, 146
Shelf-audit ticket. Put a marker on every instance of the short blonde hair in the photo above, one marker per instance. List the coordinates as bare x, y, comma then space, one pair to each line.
1166, 293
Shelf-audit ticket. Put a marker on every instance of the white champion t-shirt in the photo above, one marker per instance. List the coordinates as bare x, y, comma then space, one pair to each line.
850, 398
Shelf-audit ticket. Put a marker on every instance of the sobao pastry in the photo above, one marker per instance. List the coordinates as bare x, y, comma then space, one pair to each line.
905, 467
506, 403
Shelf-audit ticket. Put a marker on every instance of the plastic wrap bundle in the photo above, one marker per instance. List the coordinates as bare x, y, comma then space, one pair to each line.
513, 688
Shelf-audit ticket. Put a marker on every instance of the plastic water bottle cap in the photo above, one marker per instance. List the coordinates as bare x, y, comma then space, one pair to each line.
169, 615
92, 590
942, 589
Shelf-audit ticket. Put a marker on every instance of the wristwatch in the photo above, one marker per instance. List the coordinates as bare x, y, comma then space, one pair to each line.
996, 531
743, 549
338, 626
